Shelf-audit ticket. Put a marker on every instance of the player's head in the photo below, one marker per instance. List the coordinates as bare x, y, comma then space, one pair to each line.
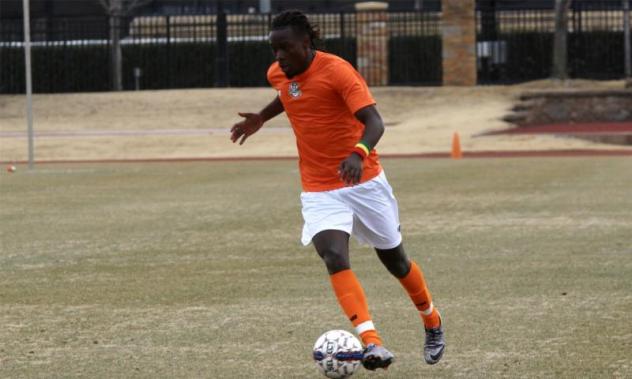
292, 38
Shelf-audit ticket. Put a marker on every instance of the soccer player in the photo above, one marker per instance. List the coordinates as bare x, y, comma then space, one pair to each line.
345, 191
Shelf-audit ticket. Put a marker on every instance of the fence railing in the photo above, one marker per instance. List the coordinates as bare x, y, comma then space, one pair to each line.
73, 54
516, 45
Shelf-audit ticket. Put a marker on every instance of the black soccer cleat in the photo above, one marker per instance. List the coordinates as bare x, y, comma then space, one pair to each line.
434, 345
376, 356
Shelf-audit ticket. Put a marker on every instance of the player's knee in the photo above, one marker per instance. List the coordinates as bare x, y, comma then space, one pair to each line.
398, 267
395, 260
335, 259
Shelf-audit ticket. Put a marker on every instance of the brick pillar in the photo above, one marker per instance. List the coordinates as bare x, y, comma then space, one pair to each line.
459, 42
372, 40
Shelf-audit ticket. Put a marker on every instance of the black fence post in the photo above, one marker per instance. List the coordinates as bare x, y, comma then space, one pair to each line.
221, 60
169, 68
489, 30
342, 28
489, 37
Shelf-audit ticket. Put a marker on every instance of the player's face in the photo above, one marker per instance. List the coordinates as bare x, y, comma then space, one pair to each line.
292, 51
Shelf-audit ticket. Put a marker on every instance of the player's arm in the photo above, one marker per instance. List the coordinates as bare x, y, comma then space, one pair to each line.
373, 125
254, 121
351, 168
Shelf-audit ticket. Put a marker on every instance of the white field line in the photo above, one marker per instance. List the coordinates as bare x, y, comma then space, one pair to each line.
130, 133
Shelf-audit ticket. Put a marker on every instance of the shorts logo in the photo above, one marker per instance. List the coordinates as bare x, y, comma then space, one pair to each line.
293, 90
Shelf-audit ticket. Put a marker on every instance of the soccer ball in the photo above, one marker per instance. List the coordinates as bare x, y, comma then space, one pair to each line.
338, 354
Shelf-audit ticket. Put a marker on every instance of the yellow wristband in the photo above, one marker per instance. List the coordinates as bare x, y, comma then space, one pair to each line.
363, 147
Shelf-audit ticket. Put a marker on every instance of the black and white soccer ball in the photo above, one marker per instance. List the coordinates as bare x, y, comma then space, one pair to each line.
338, 354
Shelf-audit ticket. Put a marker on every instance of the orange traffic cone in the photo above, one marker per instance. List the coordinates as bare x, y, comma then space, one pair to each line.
456, 147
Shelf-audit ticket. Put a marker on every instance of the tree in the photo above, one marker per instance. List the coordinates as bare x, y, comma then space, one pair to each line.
116, 10
627, 49
560, 55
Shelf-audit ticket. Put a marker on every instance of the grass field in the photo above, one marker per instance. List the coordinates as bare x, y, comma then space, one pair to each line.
195, 270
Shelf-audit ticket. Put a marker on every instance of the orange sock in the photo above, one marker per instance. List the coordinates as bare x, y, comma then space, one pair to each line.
353, 302
415, 285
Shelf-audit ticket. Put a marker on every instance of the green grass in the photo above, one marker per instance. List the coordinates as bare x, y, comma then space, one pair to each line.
195, 270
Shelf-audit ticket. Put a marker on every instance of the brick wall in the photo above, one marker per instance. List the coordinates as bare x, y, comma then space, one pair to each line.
372, 50
459, 42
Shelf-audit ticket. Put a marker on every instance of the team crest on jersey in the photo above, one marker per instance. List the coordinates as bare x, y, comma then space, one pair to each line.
294, 91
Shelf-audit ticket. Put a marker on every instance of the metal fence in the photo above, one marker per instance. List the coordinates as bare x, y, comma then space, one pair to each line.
184, 51
516, 44
415, 48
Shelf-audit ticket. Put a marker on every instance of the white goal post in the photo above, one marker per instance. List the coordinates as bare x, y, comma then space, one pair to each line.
29, 83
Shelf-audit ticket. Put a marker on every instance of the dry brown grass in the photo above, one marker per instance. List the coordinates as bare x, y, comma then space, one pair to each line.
418, 119
195, 270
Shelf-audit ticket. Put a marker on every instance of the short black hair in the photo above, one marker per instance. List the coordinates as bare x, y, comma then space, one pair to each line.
299, 23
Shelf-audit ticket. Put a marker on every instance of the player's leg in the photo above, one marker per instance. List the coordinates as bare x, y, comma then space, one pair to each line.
412, 279
376, 221
395, 260
333, 247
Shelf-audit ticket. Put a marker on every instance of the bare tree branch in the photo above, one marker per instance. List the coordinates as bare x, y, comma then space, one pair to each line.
122, 7
106, 5
137, 3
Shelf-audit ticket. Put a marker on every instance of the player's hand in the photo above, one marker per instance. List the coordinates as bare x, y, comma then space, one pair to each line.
246, 127
350, 170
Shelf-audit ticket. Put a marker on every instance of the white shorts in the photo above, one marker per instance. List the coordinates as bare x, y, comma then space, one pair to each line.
368, 211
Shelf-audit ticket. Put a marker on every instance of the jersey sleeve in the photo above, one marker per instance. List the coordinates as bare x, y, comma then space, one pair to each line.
273, 74
351, 86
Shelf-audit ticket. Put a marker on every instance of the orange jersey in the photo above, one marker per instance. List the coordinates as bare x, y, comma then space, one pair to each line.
321, 103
